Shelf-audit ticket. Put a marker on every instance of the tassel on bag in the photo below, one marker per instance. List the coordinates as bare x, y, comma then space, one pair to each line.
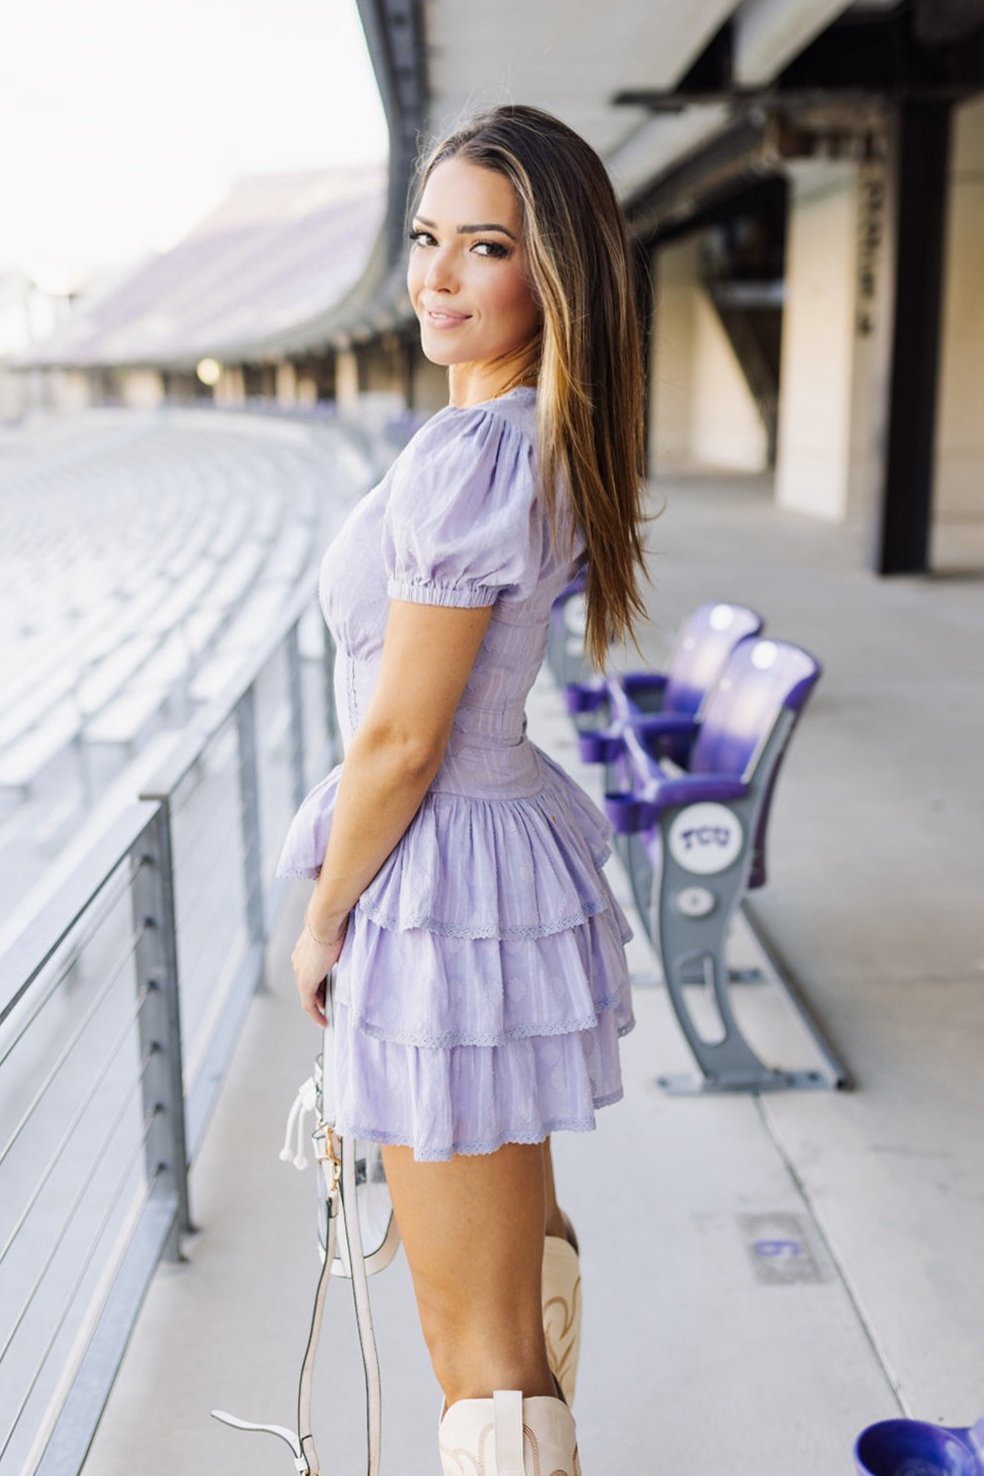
351, 1189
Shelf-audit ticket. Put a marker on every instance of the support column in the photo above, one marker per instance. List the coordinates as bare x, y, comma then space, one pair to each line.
430, 386
307, 389
286, 383
919, 145
819, 340
673, 357
703, 413
68, 389
230, 389
143, 389
346, 379
958, 492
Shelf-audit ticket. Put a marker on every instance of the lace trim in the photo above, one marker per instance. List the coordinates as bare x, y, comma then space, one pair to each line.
460, 930
485, 1145
299, 873
351, 693
451, 1038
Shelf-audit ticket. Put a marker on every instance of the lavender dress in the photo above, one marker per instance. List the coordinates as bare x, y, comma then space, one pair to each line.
482, 985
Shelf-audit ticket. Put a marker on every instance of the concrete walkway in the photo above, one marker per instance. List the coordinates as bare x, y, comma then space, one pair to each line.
697, 1357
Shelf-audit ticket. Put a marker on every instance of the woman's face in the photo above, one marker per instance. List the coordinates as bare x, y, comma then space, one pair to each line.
466, 276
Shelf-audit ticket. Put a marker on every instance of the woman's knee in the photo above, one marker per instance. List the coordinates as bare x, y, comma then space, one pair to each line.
471, 1214
493, 1295
473, 1234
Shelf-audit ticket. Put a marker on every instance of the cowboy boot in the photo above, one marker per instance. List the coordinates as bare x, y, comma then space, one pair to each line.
562, 1307
508, 1435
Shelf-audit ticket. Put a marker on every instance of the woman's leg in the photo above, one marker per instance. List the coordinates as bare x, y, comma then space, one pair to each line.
561, 1287
473, 1229
557, 1222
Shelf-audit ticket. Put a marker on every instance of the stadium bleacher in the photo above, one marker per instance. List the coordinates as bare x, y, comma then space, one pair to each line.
141, 556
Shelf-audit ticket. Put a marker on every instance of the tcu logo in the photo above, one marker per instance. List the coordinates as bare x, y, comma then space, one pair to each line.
706, 835
705, 838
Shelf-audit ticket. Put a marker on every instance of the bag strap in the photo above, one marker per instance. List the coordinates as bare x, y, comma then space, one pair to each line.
352, 1230
308, 1464
338, 1167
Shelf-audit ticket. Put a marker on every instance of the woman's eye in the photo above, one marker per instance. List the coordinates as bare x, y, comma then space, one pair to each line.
496, 248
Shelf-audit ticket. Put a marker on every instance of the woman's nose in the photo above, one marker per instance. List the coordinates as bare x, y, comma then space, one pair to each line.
439, 273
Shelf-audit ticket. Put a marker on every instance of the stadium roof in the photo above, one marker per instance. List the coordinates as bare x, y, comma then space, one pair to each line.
685, 103
278, 254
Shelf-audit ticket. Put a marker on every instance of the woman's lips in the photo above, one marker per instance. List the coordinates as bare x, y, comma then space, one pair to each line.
446, 320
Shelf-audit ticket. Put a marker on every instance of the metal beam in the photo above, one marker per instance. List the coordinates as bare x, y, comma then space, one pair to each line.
936, 22
857, 59
724, 165
769, 33
919, 146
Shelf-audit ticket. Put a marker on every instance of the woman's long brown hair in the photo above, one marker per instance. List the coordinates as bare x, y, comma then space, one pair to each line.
587, 360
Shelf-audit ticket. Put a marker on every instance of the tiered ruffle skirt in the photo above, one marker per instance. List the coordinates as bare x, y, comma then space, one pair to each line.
482, 986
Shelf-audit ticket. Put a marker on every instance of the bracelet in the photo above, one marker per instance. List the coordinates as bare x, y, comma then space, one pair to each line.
322, 942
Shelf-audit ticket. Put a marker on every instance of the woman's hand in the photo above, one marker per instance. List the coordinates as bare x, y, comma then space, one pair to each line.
311, 961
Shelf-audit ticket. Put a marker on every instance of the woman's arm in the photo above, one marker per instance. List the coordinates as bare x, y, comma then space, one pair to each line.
428, 653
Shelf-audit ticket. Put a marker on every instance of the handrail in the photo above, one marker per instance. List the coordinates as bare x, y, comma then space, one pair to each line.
23, 960
49, 1409
26, 955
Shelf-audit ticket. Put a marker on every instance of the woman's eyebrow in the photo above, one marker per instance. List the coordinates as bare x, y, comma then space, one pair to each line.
471, 229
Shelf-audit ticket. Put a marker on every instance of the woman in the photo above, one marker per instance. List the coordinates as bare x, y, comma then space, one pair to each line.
481, 983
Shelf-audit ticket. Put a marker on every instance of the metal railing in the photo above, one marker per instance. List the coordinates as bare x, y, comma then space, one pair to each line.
120, 1004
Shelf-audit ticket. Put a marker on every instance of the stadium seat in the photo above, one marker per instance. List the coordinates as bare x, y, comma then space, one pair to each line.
701, 834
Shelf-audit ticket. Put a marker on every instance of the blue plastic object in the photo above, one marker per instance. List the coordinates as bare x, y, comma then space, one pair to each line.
913, 1448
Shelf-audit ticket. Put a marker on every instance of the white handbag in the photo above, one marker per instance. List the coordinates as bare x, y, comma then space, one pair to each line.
357, 1236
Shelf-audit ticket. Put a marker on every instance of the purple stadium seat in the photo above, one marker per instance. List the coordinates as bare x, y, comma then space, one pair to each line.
698, 836
912, 1448
703, 644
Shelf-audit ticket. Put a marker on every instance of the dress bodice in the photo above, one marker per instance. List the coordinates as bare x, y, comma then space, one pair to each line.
456, 520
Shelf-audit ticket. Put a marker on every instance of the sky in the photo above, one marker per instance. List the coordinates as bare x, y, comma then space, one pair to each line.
123, 122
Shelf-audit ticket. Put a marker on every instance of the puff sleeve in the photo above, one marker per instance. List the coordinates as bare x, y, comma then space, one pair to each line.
462, 523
